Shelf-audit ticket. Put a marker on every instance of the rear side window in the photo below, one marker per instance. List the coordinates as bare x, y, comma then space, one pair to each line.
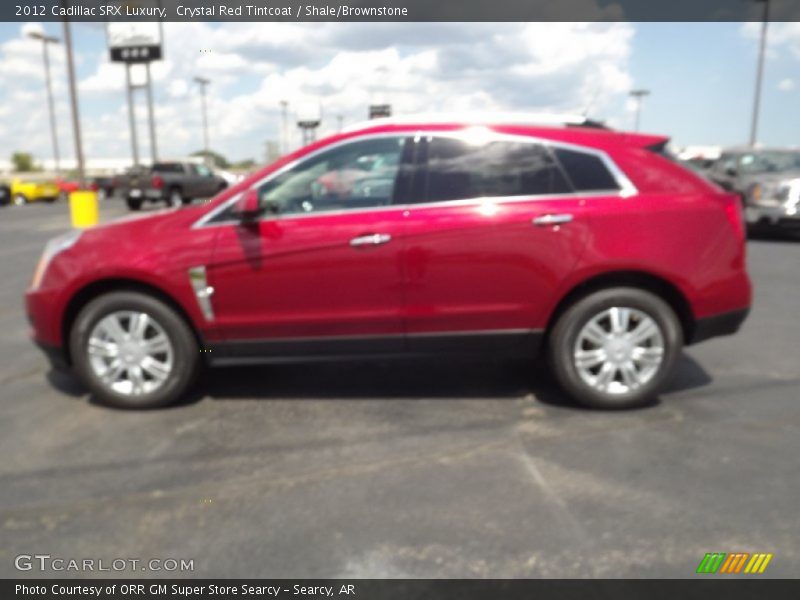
587, 172
458, 171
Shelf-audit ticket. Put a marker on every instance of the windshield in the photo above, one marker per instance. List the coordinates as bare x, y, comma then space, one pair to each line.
770, 162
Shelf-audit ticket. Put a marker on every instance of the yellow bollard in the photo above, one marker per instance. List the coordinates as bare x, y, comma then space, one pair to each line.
83, 208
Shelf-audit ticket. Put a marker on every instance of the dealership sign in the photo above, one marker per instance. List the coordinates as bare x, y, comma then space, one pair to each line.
134, 41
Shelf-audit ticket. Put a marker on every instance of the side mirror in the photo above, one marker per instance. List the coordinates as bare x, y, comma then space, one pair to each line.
248, 208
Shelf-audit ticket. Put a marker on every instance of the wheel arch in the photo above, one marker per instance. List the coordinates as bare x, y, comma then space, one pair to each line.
103, 286
655, 284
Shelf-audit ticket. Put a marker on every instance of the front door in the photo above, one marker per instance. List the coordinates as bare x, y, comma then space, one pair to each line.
321, 271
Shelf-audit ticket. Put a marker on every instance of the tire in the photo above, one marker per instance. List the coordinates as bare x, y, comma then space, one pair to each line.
174, 198
134, 203
177, 360
640, 370
20, 199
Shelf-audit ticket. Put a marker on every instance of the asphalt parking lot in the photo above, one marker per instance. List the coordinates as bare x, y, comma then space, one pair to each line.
406, 470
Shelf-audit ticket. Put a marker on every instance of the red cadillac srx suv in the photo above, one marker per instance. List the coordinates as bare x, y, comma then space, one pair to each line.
498, 237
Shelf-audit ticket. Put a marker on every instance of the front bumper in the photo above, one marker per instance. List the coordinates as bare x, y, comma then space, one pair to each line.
779, 215
55, 356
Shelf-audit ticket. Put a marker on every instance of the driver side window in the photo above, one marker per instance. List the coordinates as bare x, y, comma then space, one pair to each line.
357, 175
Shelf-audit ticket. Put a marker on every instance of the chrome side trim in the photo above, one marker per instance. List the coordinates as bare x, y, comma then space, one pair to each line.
627, 188
202, 291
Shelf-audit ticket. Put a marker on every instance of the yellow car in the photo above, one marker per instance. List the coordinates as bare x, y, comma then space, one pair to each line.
23, 192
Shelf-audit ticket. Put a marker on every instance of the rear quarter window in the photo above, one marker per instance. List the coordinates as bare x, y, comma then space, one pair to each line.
587, 172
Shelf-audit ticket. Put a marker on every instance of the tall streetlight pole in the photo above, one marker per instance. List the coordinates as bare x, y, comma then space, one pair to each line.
285, 126
48, 39
203, 82
638, 95
759, 72
73, 97
131, 115
151, 115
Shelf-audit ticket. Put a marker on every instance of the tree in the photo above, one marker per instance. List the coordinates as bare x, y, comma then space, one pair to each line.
244, 164
214, 158
23, 161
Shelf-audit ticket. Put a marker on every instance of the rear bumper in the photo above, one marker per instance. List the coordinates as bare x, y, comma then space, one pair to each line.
717, 325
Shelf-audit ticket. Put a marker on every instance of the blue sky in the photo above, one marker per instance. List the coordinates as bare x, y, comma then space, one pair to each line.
701, 76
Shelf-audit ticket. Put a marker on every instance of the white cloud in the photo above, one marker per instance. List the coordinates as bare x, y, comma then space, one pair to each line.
780, 36
786, 85
344, 67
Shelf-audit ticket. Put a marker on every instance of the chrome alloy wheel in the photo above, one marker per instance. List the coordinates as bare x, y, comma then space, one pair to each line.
130, 353
619, 350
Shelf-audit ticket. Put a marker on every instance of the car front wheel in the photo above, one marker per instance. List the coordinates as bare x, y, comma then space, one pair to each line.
133, 351
615, 348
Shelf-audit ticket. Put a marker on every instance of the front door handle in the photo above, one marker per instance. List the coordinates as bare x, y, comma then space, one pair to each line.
547, 220
371, 239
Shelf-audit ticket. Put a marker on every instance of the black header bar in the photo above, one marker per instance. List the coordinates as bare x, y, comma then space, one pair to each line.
399, 10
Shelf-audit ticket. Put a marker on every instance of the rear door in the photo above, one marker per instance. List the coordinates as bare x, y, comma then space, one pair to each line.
495, 230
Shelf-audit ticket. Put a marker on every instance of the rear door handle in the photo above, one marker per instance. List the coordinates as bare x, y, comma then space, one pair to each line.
372, 239
546, 220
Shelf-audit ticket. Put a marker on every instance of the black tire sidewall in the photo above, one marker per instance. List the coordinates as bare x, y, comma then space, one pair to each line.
134, 203
565, 332
184, 344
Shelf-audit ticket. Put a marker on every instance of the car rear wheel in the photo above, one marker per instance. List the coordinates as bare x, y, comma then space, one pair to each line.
134, 203
133, 351
615, 348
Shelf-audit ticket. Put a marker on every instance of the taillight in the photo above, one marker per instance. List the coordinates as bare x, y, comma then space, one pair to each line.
157, 182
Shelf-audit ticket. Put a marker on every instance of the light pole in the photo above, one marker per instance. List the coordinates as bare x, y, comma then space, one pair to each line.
638, 95
285, 126
49, 39
759, 72
73, 97
203, 82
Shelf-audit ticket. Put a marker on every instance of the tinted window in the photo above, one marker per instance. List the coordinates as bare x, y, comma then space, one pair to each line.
168, 167
356, 175
586, 172
458, 170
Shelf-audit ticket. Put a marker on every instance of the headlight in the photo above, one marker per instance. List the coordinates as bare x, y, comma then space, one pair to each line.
770, 192
51, 249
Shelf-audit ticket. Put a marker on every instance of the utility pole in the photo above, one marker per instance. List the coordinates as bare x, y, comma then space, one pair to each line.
203, 82
48, 39
638, 95
340, 122
759, 72
73, 96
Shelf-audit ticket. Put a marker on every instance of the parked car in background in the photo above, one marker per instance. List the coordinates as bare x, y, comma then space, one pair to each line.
66, 187
767, 181
486, 238
174, 183
23, 192
5, 194
105, 186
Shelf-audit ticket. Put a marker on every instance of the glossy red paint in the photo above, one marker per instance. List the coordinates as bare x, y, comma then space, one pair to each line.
471, 266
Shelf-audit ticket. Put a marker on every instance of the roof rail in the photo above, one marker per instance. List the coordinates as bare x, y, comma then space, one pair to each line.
482, 118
